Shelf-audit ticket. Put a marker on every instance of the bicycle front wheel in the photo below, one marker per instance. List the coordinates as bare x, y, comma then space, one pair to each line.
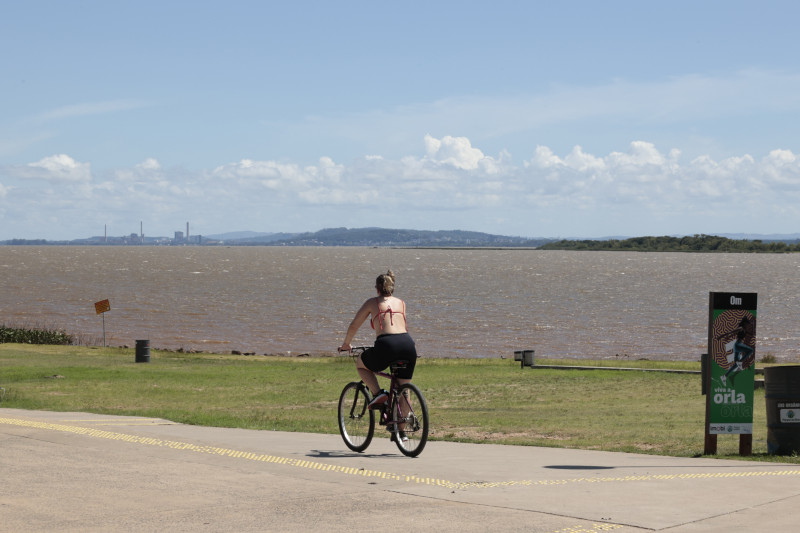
356, 421
410, 410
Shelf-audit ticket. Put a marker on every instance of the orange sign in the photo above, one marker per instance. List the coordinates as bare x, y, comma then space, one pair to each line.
102, 306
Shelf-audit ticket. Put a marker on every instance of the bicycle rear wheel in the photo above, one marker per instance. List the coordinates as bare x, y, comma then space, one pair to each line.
410, 409
356, 421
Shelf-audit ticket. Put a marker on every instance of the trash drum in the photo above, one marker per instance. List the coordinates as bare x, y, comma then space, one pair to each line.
782, 394
143, 351
527, 358
518, 355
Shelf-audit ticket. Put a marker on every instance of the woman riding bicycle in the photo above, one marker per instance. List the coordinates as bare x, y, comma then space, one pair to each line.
387, 316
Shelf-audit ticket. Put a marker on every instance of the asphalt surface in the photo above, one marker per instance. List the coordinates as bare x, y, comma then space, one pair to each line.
83, 472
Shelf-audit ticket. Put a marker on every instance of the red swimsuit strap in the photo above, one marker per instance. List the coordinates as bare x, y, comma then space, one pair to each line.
388, 310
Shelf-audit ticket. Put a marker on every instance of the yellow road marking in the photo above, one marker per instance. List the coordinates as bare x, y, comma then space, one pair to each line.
315, 465
594, 528
111, 421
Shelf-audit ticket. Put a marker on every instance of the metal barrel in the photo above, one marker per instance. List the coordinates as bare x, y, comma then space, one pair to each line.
143, 351
782, 395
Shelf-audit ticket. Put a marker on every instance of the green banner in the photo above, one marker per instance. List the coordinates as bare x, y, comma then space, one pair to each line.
732, 356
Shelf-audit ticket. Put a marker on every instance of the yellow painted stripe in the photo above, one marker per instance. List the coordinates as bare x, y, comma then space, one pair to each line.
594, 528
347, 470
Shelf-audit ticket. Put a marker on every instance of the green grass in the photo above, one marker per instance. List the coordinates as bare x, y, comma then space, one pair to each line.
470, 400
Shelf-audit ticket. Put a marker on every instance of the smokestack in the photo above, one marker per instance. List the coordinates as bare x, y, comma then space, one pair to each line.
187, 231
141, 230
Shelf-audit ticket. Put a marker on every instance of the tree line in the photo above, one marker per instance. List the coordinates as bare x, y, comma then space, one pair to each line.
695, 243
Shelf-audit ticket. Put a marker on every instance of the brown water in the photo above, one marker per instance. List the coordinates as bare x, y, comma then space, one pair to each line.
461, 303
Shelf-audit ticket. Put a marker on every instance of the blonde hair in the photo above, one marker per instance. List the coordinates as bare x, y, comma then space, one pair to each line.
385, 283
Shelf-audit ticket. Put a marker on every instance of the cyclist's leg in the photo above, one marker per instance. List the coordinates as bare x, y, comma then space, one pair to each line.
407, 350
403, 403
367, 376
373, 360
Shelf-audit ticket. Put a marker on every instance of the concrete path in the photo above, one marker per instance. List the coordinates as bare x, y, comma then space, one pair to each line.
83, 472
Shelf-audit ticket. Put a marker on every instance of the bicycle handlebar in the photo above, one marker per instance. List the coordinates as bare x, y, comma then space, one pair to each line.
354, 350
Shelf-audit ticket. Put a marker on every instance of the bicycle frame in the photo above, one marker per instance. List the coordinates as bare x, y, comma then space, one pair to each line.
388, 408
394, 385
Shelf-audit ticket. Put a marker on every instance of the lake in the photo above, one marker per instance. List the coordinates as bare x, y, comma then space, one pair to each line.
461, 303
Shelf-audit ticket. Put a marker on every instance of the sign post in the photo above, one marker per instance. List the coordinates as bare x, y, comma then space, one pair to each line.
730, 372
101, 308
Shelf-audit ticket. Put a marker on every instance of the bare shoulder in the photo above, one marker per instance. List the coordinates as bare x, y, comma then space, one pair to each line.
369, 306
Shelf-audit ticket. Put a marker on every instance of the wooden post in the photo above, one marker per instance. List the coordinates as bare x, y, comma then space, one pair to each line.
746, 444
710, 447
711, 443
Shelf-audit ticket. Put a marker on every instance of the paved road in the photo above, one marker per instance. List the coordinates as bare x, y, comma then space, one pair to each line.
82, 472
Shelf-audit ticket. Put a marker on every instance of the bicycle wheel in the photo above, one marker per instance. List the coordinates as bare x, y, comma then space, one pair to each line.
356, 422
410, 409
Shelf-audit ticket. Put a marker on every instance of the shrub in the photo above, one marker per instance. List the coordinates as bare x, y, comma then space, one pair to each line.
33, 336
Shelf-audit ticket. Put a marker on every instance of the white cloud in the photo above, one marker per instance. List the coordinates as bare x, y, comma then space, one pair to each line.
578, 189
455, 151
581, 161
781, 168
60, 167
273, 175
641, 154
543, 157
90, 108
646, 176
149, 164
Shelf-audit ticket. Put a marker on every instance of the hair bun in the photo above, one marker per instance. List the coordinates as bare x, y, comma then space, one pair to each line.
385, 283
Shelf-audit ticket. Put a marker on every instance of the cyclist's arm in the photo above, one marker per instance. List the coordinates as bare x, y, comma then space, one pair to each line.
361, 316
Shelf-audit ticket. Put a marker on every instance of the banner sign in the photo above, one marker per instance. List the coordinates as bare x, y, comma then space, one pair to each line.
102, 306
732, 356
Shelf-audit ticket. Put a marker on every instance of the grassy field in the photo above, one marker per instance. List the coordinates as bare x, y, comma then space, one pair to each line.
470, 400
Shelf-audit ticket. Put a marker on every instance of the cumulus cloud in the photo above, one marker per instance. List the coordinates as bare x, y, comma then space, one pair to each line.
455, 151
661, 182
270, 174
149, 164
451, 174
60, 167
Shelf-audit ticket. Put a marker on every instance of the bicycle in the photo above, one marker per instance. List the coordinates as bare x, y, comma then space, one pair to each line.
405, 414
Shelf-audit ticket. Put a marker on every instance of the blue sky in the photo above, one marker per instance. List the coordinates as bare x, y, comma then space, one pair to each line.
537, 119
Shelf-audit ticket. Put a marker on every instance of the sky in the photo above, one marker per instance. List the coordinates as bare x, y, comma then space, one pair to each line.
579, 119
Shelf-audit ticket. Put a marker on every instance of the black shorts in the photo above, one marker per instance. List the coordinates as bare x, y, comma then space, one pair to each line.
388, 348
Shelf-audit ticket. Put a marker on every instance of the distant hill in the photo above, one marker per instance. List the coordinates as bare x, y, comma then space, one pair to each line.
235, 235
247, 237
390, 237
